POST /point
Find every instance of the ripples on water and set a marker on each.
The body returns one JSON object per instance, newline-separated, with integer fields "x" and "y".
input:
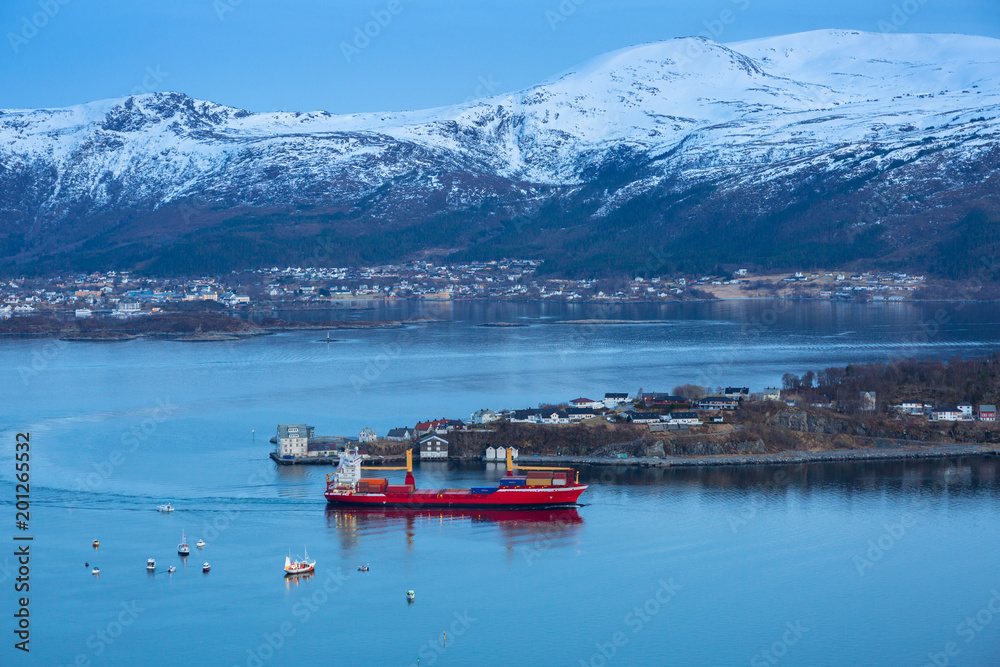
{"x": 752, "y": 548}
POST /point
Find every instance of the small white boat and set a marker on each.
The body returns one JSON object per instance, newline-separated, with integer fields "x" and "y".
{"x": 183, "y": 548}
{"x": 164, "y": 508}
{"x": 200, "y": 544}
{"x": 206, "y": 567}
{"x": 96, "y": 571}
{"x": 410, "y": 595}
{"x": 150, "y": 565}
{"x": 171, "y": 569}
{"x": 299, "y": 565}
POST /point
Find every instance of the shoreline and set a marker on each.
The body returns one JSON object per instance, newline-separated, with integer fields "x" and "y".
{"x": 905, "y": 453}
{"x": 909, "y": 452}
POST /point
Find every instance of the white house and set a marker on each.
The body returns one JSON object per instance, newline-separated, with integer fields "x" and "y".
{"x": 946, "y": 413}
{"x": 484, "y": 416}
{"x": 83, "y": 313}
{"x": 912, "y": 407}
{"x": 771, "y": 394}
{"x": 689, "y": 418}
{"x": 613, "y": 400}
{"x": 293, "y": 439}
{"x": 491, "y": 453}
{"x": 586, "y": 403}
{"x": 965, "y": 409}
{"x": 367, "y": 435}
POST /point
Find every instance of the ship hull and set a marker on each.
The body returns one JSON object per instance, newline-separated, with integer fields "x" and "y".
{"x": 521, "y": 497}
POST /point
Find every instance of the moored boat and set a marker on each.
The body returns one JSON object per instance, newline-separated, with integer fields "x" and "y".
{"x": 303, "y": 565}
{"x": 537, "y": 487}
{"x": 164, "y": 508}
{"x": 183, "y": 549}
{"x": 96, "y": 571}
{"x": 150, "y": 565}
{"x": 200, "y": 544}
{"x": 205, "y": 567}
{"x": 96, "y": 544}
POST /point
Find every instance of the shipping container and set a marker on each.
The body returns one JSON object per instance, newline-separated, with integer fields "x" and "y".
{"x": 539, "y": 482}
{"x": 483, "y": 489}
{"x": 559, "y": 482}
{"x": 539, "y": 474}
{"x": 399, "y": 488}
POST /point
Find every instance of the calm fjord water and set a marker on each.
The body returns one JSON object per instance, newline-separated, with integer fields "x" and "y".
{"x": 860, "y": 564}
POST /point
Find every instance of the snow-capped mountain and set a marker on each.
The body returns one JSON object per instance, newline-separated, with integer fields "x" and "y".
{"x": 698, "y": 131}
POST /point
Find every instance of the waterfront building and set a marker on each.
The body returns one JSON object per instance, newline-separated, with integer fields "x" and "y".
{"x": 293, "y": 439}
{"x": 433, "y": 447}
{"x": 367, "y": 435}
{"x": 987, "y": 413}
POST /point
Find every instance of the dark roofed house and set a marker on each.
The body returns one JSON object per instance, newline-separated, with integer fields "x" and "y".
{"x": 739, "y": 393}
{"x": 655, "y": 398}
{"x": 613, "y": 400}
{"x": 643, "y": 417}
{"x": 433, "y": 447}
{"x": 717, "y": 403}
{"x": 400, "y": 434}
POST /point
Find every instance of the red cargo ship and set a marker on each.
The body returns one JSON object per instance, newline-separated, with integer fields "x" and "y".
{"x": 538, "y": 487}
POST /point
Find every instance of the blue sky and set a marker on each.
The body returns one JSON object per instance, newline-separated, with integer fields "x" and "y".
{"x": 302, "y": 55}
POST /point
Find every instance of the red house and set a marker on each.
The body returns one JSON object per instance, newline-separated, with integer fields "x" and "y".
{"x": 987, "y": 413}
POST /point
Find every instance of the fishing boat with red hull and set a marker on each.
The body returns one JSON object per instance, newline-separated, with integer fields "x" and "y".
{"x": 537, "y": 487}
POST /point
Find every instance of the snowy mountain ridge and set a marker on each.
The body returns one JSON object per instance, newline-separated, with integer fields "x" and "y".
{"x": 665, "y": 117}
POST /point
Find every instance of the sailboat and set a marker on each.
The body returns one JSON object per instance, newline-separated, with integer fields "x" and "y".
{"x": 299, "y": 566}
{"x": 183, "y": 548}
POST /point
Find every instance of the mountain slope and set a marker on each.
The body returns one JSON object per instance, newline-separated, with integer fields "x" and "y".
{"x": 802, "y": 149}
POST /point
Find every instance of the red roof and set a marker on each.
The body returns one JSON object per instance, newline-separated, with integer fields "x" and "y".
{"x": 581, "y": 400}
{"x": 427, "y": 426}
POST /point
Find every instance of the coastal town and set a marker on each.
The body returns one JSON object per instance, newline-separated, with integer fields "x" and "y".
{"x": 659, "y": 413}
{"x": 124, "y": 294}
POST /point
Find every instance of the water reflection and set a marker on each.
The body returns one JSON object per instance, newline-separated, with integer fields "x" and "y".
{"x": 512, "y": 525}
